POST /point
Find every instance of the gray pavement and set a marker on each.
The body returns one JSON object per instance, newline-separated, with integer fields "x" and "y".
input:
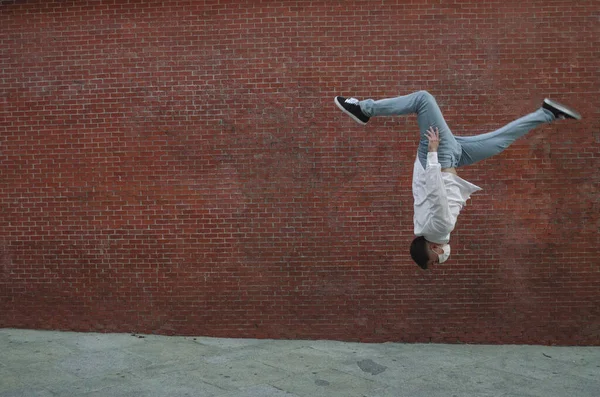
{"x": 45, "y": 363}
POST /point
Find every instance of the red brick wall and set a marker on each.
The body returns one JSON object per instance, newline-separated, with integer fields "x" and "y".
{"x": 179, "y": 167}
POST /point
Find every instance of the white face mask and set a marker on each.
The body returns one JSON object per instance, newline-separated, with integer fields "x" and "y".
{"x": 444, "y": 257}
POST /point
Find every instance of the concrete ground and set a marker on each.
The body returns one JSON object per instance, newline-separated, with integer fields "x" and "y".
{"x": 43, "y": 363}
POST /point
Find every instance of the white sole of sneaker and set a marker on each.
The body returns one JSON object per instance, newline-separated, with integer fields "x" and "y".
{"x": 347, "y": 112}
{"x": 563, "y": 109}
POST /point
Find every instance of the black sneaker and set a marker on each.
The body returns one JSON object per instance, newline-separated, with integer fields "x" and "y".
{"x": 560, "y": 111}
{"x": 351, "y": 108}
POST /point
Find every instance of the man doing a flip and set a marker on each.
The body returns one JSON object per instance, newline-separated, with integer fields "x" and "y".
{"x": 439, "y": 193}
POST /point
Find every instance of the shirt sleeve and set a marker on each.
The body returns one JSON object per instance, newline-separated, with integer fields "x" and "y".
{"x": 440, "y": 218}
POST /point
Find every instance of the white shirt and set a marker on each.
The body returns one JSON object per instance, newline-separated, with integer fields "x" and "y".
{"x": 439, "y": 197}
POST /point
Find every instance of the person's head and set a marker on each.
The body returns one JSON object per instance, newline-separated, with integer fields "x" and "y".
{"x": 426, "y": 253}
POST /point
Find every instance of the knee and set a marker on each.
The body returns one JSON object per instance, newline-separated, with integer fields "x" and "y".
{"x": 426, "y": 95}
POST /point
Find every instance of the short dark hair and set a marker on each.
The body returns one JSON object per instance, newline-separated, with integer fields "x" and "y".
{"x": 418, "y": 251}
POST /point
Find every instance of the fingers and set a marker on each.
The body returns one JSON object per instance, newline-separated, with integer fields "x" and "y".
{"x": 432, "y": 131}
{"x": 433, "y": 134}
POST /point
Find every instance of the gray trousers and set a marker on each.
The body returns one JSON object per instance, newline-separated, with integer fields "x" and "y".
{"x": 454, "y": 151}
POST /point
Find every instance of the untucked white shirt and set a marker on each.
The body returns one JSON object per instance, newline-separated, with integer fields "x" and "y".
{"x": 439, "y": 197}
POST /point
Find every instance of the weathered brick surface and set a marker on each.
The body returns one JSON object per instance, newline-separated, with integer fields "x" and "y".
{"x": 180, "y": 167}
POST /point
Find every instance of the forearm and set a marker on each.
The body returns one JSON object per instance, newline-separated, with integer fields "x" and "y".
{"x": 435, "y": 187}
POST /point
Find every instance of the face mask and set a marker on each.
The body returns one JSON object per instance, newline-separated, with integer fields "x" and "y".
{"x": 444, "y": 257}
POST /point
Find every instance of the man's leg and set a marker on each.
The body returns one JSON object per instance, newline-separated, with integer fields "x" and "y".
{"x": 421, "y": 103}
{"x": 424, "y": 105}
{"x": 479, "y": 147}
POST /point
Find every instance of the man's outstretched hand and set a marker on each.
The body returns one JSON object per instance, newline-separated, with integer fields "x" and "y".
{"x": 434, "y": 139}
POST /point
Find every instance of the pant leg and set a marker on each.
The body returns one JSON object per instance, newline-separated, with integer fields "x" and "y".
{"x": 480, "y": 147}
{"x": 424, "y": 105}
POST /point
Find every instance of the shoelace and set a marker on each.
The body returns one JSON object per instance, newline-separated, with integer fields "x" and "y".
{"x": 352, "y": 101}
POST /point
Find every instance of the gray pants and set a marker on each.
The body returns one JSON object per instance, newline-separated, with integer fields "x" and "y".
{"x": 454, "y": 151}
